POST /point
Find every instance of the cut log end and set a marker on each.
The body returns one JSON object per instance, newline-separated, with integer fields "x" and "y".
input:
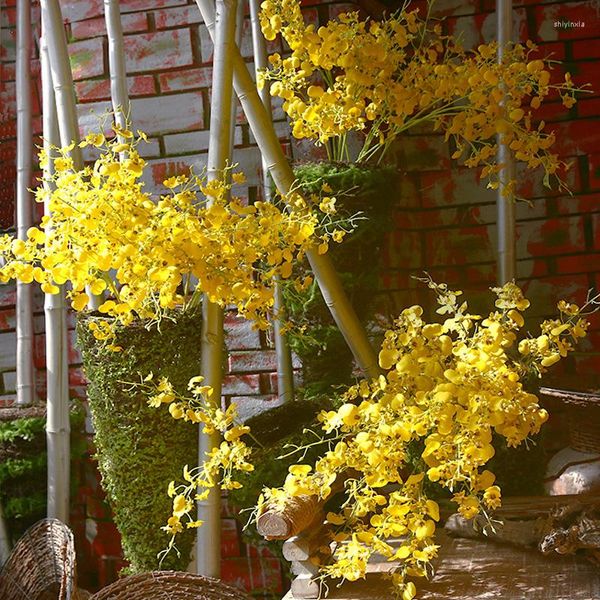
{"x": 296, "y": 517}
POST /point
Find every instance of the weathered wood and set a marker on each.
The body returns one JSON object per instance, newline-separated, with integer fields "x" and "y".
{"x": 480, "y": 570}
{"x": 572, "y": 528}
{"x": 296, "y": 517}
{"x": 307, "y": 544}
{"x": 521, "y": 533}
{"x": 10, "y": 414}
{"x": 567, "y": 528}
{"x": 304, "y": 567}
{"x": 305, "y": 587}
{"x": 589, "y": 398}
{"x": 537, "y": 506}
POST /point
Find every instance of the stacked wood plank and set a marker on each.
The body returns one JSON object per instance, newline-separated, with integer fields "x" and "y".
{"x": 306, "y": 543}
{"x": 504, "y": 564}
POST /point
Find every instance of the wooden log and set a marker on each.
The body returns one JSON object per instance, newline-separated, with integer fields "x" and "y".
{"x": 520, "y": 533}
{"x": 302, "y": 547}
{"x": 296, "y": 517}
{"x": 304, "y": 586}
{"x": 304, "y": 567}
{"x": 564, "y": 524}
{"x": 531, "y": 507}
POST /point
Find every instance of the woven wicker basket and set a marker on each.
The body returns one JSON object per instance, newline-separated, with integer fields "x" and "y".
{"x": 584, "y": 429}
{"x": 42, "y": 565}
{"x": 168, "y": 585}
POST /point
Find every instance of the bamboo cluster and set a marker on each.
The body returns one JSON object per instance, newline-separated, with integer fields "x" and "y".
{"x": 285, "y": 372}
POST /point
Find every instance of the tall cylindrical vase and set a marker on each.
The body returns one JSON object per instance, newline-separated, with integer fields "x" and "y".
{"x": 141, "y": 449}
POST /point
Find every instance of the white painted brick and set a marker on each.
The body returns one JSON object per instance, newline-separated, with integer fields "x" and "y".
{"x": 282, "y": 129}
{"x": 8, "y": 351}
{"x": 87, "y": 58}
{"x": 206, "y": 45}
{"x": 247, "y": 158}
{"x": 91, "y": 116}
{"x": 158, "y": 51}
{"x": 165, "y": 114}
{"x": 161, "y": 168}
{"x": 238, "y": 385}
{"x": 177, "y": 17}
{"x": 10, "y": 381}
{"x": 149, "y": 149}
{"x": 135, "y": 5}
{"x": 78, "y": 10}
{"x": 194, "y": 141}
{"x": 240, "y": 334}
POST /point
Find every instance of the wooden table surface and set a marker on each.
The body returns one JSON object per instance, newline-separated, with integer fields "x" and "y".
{"x": 469, "y": 569}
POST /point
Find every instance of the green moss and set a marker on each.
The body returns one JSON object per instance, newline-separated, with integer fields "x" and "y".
{"x": 141, "y": 449}
{"x": 19, "y": 508}
{"x": 23, "y": 467}
{"x": 17, "y": 467}
{"x": 21, "y": 429}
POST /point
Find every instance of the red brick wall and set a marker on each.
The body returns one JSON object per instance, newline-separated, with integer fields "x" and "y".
{"x": 444, "y": 218}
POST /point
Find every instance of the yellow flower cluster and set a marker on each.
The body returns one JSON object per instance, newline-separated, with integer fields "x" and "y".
{"x": 222, "y": 463}
{"x": 386, "y": 77}
{"x": 107, "y": 234}
{"x": 448, "y": 386}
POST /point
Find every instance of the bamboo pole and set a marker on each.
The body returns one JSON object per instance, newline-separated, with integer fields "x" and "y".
{"x": 58, "y": 428}
{"x": 116, "y": 63}
{"x": 239, "y": 32}
{"x": 4, "y": 539}
{"x": 62, "y": 81}
{"x": 219, "y": 152}
{"x": 283, "y": 176}
{"x": 505, "y": 204}
{"x": 25, "y": 370}
{"x": 285, "y": 371}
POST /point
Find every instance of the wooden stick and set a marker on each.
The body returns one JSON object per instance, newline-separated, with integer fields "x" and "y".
{"x": 116, "y": 63}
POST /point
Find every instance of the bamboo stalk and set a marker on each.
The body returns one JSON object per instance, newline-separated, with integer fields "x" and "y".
{"x": 57, "y": 364}
{"x": 62, "y": 81}
{"x": 505, "y": 203}
{"x": 239, "y": 31}
{"x": 25, "y": 370}
{"x": 329, "y": 282}
{"x": 4, "y": 539}
{"x": 116, "y": 63}
{"x": 219, "y": 153}
{"x": 285, "y": 371}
